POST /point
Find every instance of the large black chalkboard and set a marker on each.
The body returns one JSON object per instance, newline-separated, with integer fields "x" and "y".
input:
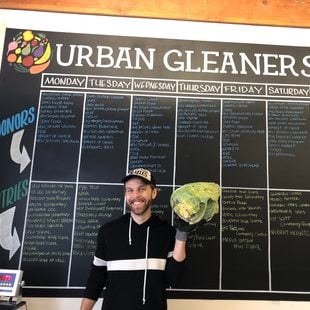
{"x": 187, "y": 110}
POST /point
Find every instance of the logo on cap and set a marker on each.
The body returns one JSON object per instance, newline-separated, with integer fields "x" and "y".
{"x": 142, "y": 173}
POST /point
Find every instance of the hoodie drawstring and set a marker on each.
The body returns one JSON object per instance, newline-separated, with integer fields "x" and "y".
{"x": 146, "y": 262}
{"x": 129, "y": 231}
{"x": 146, "y": 255}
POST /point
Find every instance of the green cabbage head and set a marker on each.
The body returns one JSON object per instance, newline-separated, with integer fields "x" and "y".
{"x": 196, "y": 201}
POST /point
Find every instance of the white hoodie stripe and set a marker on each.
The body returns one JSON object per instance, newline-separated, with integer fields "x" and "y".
{"x": 99, "y": 262}
{"x": 136, "y": 264}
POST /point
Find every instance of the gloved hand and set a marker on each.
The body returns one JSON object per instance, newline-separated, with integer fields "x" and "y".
{"x": 183, "y": 228}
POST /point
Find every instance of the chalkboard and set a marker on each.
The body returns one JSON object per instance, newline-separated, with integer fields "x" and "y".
{"x": 189, "y": 110}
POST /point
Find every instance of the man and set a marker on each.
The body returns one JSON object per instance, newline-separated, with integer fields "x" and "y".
{"x": 137, "y": 255}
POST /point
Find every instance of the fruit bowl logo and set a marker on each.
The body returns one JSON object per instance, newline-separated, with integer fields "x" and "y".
{"x": 29, "y": 52}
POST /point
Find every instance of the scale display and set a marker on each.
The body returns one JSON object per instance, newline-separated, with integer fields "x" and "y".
{"x": 10, "y": 282}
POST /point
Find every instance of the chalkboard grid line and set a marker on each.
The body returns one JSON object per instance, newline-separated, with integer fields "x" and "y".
{"x": 159, "y": 185}
{"x": 268, "y": 200}
{"x": 175, "y": 152}
{"x": 178, "y": 185}
{"x": 221, "y": 221}
{"x": 76, "y": 191}
{"x": 183, "y": 290}
{"x": 266, "y": 189}
{"x": 152, "y": 93}
{"x": 236, "y": 291}
{"x": 128, "y": 147}
{"x": 129, "y": 133}
{"x": 171, "y": 289}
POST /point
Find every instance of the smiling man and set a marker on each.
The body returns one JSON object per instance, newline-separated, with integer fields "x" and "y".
{"x": 138, "y": 255}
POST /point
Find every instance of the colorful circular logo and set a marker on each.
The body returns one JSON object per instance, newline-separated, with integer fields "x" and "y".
{"x": 29, "y": 52}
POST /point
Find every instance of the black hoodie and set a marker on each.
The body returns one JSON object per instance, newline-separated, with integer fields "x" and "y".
{"x": 135, "y": 264}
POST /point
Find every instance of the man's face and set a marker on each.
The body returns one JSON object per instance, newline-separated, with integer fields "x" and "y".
{"x": 139, "y": 196}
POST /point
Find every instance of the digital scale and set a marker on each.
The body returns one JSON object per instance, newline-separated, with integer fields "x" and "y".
{"x": 11, "y": 289}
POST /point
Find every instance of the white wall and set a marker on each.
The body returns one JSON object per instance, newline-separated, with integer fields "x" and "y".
{"x": 179, "y": 304}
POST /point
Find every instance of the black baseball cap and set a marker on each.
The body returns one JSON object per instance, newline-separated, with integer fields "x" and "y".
{"x": 144, "y": 174}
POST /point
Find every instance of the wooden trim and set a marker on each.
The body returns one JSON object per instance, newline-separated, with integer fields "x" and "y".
{"x": 293, "y": 13}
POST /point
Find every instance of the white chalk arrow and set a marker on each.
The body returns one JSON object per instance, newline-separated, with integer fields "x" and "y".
{"x": 18, "y": 157}
{"x": 7, "y": 240}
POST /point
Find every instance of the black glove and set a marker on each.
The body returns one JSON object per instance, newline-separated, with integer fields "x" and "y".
{"x": 183, "y": 228}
